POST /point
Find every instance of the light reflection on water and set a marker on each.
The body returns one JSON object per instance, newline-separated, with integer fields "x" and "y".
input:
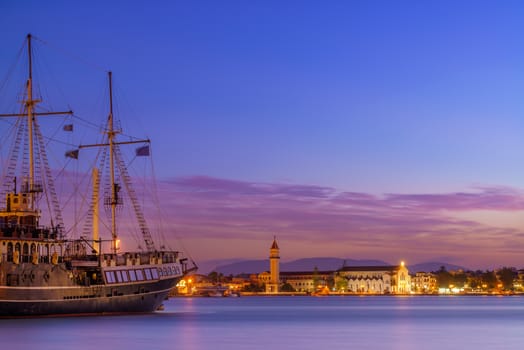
{"x": 287, "y": 323}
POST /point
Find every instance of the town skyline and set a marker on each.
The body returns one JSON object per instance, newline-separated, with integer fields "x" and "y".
{"x": 365, "y": 130}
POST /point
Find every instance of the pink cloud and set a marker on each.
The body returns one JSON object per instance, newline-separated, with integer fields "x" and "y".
{"x": 205, "y": 207}
{"x": 317, "y": 220}
{"x": 495, "y": 198}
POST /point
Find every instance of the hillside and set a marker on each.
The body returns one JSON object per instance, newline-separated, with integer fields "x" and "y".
{"x": 307, "y": 264}
{"x": 236, "y": 266}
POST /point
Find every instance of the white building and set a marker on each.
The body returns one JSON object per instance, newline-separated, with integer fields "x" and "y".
{"x": 424, "y": 283}
{"x": 374, "y": 279}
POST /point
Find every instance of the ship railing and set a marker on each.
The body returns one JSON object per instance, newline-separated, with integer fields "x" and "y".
{"x": 25, "y": 231}
{"x": 142, "y": 258}
{"x": 26, "y": 258}
{"x": 125, "y": 259}
{"x": 169, "y": 257}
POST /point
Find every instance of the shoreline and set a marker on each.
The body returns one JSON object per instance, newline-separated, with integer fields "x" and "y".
{"x": 304, "y": 294}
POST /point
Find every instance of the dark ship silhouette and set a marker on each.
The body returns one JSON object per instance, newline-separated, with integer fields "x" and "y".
{"x": 42, "y": 272}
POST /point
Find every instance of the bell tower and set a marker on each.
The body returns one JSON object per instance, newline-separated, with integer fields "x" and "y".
{"x": 274, "y": 268}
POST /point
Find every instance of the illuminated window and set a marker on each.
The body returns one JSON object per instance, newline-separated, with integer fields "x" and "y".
{"x": 148, "y": 274}
{"x": 132, "y": 275}
{"x": 125, "y": 278}
{"x": 154, "y": 272}
{"x": 119, "y": 276}
{"x": 110, "y": 276}
{"x": 139, "y": 275}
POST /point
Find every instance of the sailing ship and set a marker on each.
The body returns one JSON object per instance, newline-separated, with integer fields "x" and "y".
{"x": 42, "y": 271}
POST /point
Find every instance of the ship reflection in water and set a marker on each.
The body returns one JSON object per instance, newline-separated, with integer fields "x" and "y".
{"x": 429, "y": 322}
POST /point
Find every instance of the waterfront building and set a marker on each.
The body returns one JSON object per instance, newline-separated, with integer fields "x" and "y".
{"x": 272, "y": 286}
{"x": 424, "y": 283}
{"x": 307, "y": 281}
{"x": 352, "y": 279}
{"x": 264, "y": 278}
{"x": 191, "y": 284}
{"x": 519, "y": 281}
{"x": 374, "y": 279}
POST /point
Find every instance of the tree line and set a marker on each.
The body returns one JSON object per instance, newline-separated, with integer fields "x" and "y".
{"x": 502, "y": 279}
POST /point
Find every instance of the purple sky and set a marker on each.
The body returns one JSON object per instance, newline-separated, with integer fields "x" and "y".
{"x": 361, "y": 129}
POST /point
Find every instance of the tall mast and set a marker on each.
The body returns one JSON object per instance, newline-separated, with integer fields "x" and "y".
{"x": 32, "y": 182}
{"x": 30, "y": 120}
{"x": 114, "y": 187}
{"x": 96, "y": 214}
{"x": 115, "y": 162}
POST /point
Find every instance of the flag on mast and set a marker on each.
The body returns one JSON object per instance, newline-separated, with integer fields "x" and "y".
{"x": 142, "y": 151}
{"x": 72, "y": 154}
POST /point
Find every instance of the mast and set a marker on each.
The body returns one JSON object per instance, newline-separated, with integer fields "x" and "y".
{"x": 96, "y": 191}
{"x": 38, "y": 173}
{"x": 114, "y": 187}
{"x": 116, "y": 163}
{"x": 30, "y": 120}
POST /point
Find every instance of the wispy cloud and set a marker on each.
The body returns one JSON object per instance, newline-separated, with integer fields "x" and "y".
{"x": 349, "y": 222}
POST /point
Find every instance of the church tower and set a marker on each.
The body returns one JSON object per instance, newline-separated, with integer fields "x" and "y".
{"x": 274, "y": 268}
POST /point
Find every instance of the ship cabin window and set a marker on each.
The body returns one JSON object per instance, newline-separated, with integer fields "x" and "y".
{"x": 125, "y": 278}
{"x": 110, "y": 276}
{"x": 119, "y": 276}
{"x": 160, "y": 271}
{"x": 45, "y": 250}
{"x": 13, "y": 220}
{"x": 139, "y": 275}
{"x": 165, "y": 271}
{"x": 154, "y": 272}
{"x": 148, "y": 273}
{"x": 132, "y": 275}
{"x": 9, "y": 251}
{"x": 169, "y": 271}
{"x": 25, "y": 249}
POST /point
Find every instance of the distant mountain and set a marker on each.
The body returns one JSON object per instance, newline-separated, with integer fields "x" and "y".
{"x": 244, "y": 266}
{"x": 433, "y": 266}
{"x": 326, "y": 264}
{"x": 308, "y": 264}
{"x": 239, "y": 266}
{"x": 207, "y": 266}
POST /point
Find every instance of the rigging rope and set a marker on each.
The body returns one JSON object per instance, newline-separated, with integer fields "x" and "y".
{"x": 72, "y": 55}
{"x": 13, "y": 66}
{"x": 77, "y": 183}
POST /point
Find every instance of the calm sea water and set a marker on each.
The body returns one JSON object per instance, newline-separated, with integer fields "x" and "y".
{"x": 287, "y": 323}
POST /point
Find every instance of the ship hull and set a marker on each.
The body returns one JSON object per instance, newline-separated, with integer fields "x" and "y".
{"x": 44, "y": 272}
{"x": 49, "y": 301}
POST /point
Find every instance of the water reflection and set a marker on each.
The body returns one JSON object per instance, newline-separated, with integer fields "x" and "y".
{"x": 287, "y": 323}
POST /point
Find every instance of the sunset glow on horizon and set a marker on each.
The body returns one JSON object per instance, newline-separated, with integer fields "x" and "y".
{"x": 353, "y": 129}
